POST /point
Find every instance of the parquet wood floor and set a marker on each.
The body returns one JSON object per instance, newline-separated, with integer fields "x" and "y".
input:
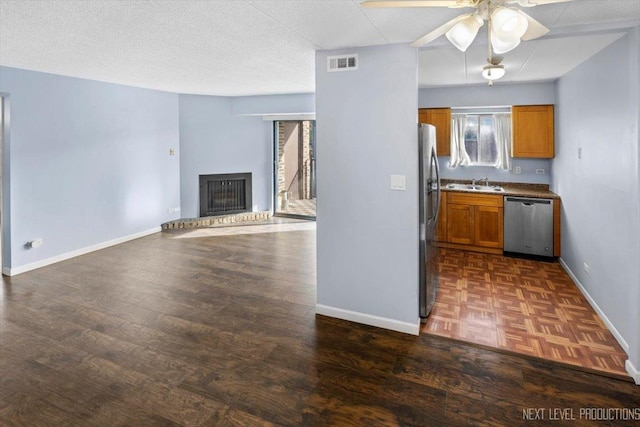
{"x": 180, "y": 329}
{"x": 521, "y": 305}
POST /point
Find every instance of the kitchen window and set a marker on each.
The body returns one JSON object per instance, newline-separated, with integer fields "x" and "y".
{"x": 481, "y": 139}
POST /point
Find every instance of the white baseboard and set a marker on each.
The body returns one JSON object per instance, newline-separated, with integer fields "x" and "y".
{"x": 603, "y": 316}
{"x": 62, "y": 257}
{"x": 368, "y": 319}
{"x": 632, "y": 371}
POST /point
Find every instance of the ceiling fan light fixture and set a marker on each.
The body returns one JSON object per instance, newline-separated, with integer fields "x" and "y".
{"x": 464, "y": 32}
{"x": 501, "y": 45}
{"x": 493, "y": 72}
{"x": 508, "y": 23}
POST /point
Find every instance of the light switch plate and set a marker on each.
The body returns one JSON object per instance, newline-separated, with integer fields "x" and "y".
{"x": 398, "y": 182}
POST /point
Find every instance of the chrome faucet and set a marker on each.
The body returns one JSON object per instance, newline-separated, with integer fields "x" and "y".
{"x": 486, "y": 180}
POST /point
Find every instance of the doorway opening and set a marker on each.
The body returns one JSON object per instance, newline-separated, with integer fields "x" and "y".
{"x": 295, "y": 168}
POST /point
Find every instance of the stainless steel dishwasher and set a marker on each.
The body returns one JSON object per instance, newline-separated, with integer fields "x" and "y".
{"x": 528, "y": 225}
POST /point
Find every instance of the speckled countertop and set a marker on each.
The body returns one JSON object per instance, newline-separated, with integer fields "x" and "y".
{"x": 510, "y": 189}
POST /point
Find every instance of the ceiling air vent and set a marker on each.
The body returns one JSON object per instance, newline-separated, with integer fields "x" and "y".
{"x": 342, "y": 63}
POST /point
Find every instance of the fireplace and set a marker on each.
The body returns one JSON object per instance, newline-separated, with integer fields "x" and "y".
{"x": 223, "y": 194}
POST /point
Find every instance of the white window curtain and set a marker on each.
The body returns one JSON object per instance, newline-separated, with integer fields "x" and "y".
{"x": 459, "y": 154}
{"x": 502, "y": 132}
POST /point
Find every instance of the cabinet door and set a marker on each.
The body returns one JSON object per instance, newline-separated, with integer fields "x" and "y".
{"x": 441, "y": 119}
{"x": 489, "y": 226}
{"x": 441, "y": 229}
{"x": 532, "y": 131}
{"x": 460, "y": 224}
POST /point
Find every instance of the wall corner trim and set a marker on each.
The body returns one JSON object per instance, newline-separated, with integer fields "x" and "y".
{"x": 368, "y": 319}
{"x": 623, "y": 343}
{"x": 633, "y": 371}
{"x": 82, "y": 251}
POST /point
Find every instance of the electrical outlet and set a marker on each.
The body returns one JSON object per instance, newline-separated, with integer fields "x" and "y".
{"x": 586, "y": 268}
{"x": 172, "y": 151}
{"x": 176, "y": 209}
{"x": 170, "y": 210}
{"x": 540, "y": 171}
{"x": 517, "y": 169}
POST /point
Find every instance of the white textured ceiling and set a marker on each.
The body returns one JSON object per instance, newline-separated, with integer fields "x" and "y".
{"x": 238, "y": 47}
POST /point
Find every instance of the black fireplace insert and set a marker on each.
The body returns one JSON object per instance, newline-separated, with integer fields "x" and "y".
{"x": 223, "y": 194}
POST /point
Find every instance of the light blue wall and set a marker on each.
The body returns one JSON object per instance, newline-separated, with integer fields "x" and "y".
{"x": 214, "y": 140}
{"x": 89, "y": 162}
{"x": 598, "y": 110}
{"x": 301, "y": 103}
{"x": 498, "y": 95}
{"x": 367, "y": 234}
{"x": 528, "y": 168}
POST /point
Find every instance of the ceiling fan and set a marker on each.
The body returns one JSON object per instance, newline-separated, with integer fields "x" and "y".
{"x": 507, "y": 26}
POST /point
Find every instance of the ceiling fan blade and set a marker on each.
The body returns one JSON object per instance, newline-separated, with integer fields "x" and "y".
{"x": 428, "y": 38}
{"x": 417, "y": 3}
{"x": 534, "y": 29}
{"x": 531, "y": 3}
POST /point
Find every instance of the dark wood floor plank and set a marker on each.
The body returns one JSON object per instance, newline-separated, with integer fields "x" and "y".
{"x": 332, "y": 411}
{"x": 107, "y": 410}
{"x": 168, "y": 370}
{"x": 51, "y": 384}
{"x": 238, "y": 418}
{"x": 273, "y": 394}
{"x": 173, "y": 329}
{"x": 27, "y": 410}
{"x": 464, "y": 410}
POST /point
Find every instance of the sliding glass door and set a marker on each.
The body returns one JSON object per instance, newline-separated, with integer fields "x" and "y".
{"x": 295, "y": 168}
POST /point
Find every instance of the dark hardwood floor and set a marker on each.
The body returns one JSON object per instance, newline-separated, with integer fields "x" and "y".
{"x": 174, "y": 329}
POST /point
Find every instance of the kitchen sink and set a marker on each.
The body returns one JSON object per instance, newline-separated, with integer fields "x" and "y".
{"x": 479, "y": 188}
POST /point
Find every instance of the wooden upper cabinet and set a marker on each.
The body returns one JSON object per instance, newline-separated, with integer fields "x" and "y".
{"x": 532, "y": 131}
{"x": 441, "y": 119}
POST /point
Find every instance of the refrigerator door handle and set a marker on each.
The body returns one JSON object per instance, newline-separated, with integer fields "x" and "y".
{"x": 434, "y": 162}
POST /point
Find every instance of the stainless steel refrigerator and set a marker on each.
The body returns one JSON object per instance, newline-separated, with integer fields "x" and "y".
{"x": 429, "y": 208}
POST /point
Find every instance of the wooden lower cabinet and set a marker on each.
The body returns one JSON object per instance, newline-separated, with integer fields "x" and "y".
{"x": 474, "y": 222}
{"x": 489, "y": 227}
{"x": 441, "y": 228}
{"x": 460, "y": 224}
